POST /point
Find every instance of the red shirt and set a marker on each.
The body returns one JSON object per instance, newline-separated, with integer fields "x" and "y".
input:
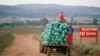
{"x": 61, "y": 17}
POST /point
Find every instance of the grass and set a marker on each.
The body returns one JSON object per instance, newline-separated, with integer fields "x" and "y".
{"x": 6, "y": 40}
{"x": 87, "y": 46}
{"x": 23, "y": 30}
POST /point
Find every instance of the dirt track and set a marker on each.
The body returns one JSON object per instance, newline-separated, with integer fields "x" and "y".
{"x": 24, "y": 45}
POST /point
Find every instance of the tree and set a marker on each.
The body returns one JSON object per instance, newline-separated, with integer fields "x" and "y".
{"x": 95, "y": 21}
{"x": 44, "y": 21}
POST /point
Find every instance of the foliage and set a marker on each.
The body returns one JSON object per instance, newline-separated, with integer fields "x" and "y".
{"x": 27, "y": 22}
{"x": 6, "y": 40}
{"x": 95, "y": 21}
{"x": 44, "y": 21}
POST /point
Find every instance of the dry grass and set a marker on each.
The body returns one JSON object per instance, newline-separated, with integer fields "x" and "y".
{"x": 88, "y": 45}
{"x": 23, "y": 30}
{"x": 89, "y": 42}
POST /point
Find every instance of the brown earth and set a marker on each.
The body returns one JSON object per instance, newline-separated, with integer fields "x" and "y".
{"x": 23, "y": 45}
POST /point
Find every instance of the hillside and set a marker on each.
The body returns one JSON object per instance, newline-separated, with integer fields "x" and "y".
{"x": 47, "y": 10}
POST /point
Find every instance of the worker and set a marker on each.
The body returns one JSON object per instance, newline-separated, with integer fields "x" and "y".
{"x": 61, "y": 17}
{"x": 70, "y": 35}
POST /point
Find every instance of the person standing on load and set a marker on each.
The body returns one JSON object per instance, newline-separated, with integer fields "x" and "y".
{"x": 70, "y": 29}
{"x": 61, "y": 17}
{"x": 70, "y": 35}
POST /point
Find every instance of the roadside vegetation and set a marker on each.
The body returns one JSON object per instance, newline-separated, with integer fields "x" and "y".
{"x": 6, "y": 40}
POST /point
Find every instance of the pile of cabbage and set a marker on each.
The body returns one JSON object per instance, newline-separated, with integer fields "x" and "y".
{"x": 55, "y": 33}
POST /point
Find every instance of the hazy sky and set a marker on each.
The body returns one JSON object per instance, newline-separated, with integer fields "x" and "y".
{"x": 61, "y": 2}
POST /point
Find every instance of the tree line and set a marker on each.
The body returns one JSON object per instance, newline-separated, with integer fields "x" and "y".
{"x": 41, "y": 22}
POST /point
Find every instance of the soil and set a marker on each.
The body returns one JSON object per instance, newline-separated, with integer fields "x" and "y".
{"x": 23, "y": 45}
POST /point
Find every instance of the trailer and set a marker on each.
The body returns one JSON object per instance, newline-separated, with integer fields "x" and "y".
{"x": 48, "y": 49}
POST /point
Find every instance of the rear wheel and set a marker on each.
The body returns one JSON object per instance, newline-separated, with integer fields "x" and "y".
{"x": 45, "y": 49}
{"x": 69, "y": 51}
{"x": 48, "y": 51}
{"x": 41, "y": 48}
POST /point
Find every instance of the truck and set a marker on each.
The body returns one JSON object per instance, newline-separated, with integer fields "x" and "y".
{"x": 54, "y": 39}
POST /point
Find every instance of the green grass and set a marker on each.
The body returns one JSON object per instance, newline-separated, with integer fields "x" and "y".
{"x": 6, "y": 40}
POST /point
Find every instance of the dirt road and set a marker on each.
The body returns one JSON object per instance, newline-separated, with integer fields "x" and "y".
{"x": 24, "y": 45}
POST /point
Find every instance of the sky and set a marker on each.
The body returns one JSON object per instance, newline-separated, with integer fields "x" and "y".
{"x": 94, "y": 3}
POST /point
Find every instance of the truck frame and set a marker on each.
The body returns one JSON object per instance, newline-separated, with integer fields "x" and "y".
{"x": 48, "y": 49}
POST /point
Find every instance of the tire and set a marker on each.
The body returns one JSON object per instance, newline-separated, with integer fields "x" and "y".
{"x": 48, "y": 51}
{"x": 41, "y": 48}
{"x": 69, "y": 51}
{"x": 45, "y": 49}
